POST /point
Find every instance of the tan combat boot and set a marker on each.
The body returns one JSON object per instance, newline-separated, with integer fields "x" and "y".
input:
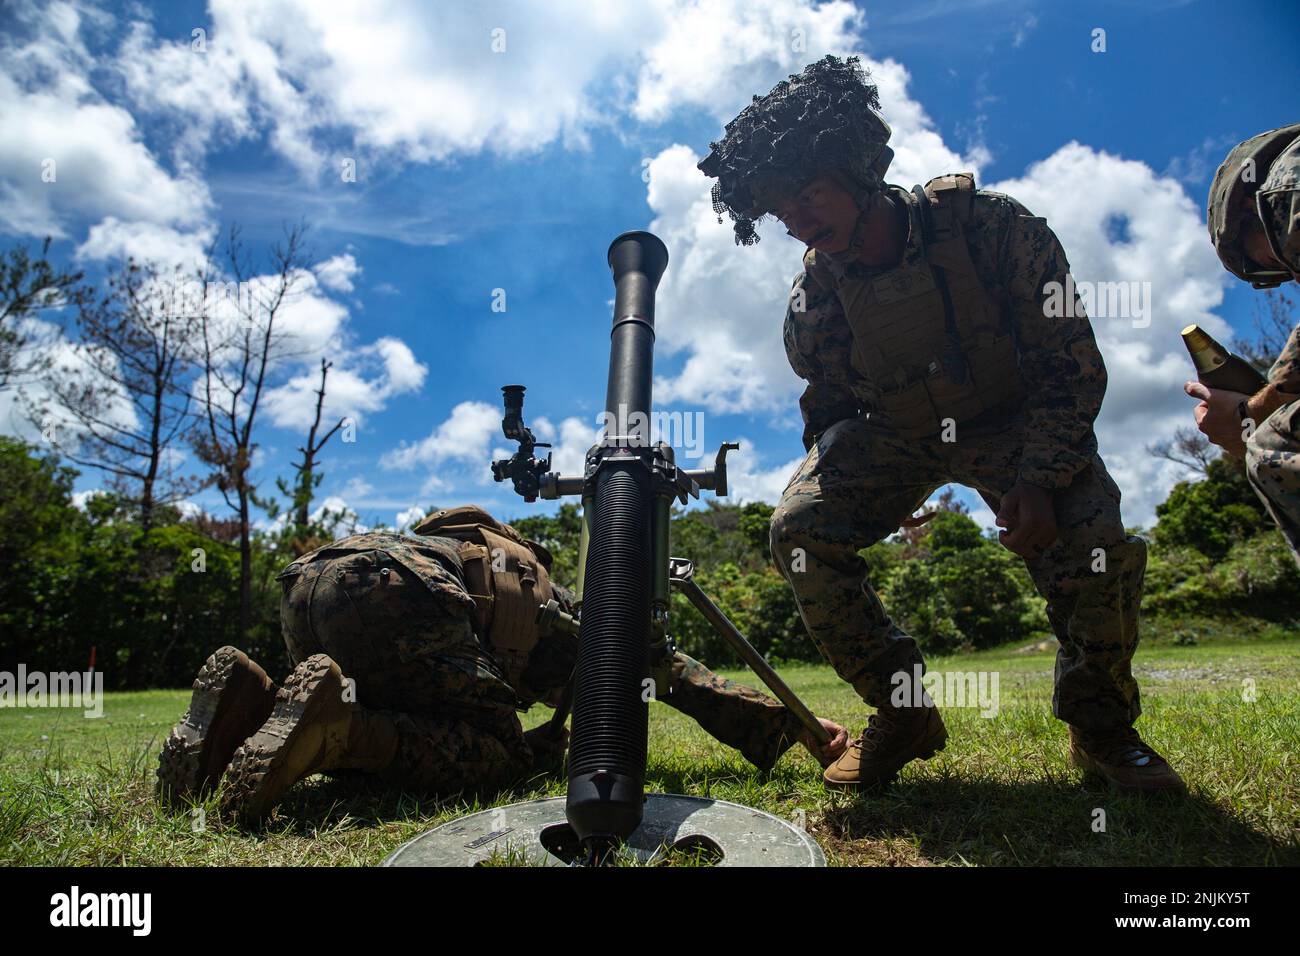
{"x": 893, "y": 737}
{"x": 232, "y": 698}
{"x": 311, "y": 729}
{"x": 1124, "y": 761}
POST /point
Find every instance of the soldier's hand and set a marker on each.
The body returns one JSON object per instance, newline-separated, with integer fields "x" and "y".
{"x": 828, "y": 754}
{"x": 1030, "y": 521}
{"x": 1217, "y": 416}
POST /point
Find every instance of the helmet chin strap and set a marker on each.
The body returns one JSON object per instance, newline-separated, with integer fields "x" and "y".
{"x": 865, "y": 197}
{"x": 855, "y": 240}
{"x": 865, "y": 205}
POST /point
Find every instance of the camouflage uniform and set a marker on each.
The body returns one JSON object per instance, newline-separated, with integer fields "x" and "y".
{"x": 1273, "y": 450}
{"x": 861, "y": 477}
{"x": 394, "y": 613}
{"x": 1280, "y": 207}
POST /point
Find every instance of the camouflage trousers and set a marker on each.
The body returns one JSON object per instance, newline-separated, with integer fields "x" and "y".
{"x": 860, "y": 481}
{"x": 761, "y": 728}
{"x": 414, "y": 657}
{"x": 1273, "y": 467}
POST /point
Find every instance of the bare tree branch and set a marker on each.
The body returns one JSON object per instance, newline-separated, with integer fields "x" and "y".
{"x": 27, "y": 287}
{"x": 1188, "y": 448}
{"x": 136, "y": 344}
{"x": 236, "y": 366}
{"x": 1275, "y": 318}
{"x": 307, "y": 478}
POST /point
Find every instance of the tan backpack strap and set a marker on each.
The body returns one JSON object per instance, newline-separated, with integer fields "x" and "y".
{"x": 477, "y": 561}
{"x": 520, "y": 583}
{"x": 952, "y": 204}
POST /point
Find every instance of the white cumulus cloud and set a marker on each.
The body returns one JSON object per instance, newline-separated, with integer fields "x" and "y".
{"x": 465, "y": 436}
{"x": 337, "y": 272}
{"x": 362, "y": 381}
{"x": 68, "y": 153}
{"x": 1120, "y": 221}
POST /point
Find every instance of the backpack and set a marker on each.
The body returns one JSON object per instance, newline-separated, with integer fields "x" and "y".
{"x": 508, "y": 577}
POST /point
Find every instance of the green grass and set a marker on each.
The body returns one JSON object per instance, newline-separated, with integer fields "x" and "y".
{"x": 75, "y": 791}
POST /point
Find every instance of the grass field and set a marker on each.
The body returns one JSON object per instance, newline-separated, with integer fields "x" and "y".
{"x": 77, "y": 791}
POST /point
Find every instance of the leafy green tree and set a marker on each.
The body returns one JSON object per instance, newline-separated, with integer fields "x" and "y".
{"x": 1213, "y": 514}
{"x": 962, "y": 591}
{"x": 1256, "y": 578}
{"x": 152, "y": 603}
{"x": 719, "y": 534}
{"x": 755, "y": 524}
{"x": 39, "y": 534}
{"x": 760, "y": 604}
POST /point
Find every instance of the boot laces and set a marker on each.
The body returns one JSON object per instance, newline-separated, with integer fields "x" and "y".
{"x": 879, "y": 726}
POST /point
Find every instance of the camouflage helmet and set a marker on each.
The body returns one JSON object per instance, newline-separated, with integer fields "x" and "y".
{"x": 1233, "y": 203}
{"x": 823, "y": 120}
{"x": 1279, "y": 207}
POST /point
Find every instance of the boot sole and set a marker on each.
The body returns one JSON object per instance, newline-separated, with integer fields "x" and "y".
{"x": 890, "y": 777}
{"x": 253, "y": 780}
{"x": 232, "y": 698}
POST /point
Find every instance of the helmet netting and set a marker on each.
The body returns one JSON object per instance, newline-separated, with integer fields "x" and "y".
{"x": 822, "y": 119}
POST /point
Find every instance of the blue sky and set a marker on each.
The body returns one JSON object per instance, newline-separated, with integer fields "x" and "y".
{"x": 480, "y": 170}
